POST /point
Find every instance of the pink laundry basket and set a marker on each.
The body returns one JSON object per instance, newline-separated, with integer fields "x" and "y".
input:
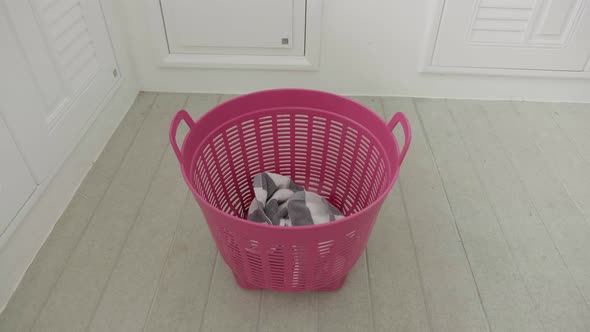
{"x": 331, "y": 145}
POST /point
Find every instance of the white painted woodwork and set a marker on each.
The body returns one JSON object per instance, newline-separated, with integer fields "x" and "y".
{"x": 16, "y": 183}
{"x": 60, "y": 66}
{"x": 521, "y": 34}
{"x": 249, "y": 27}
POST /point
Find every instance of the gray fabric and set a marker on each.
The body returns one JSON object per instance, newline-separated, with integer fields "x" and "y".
{"x": 279, "y": 201}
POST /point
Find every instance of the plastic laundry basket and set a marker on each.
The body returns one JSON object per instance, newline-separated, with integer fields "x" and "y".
{"x": 331, "y": 145}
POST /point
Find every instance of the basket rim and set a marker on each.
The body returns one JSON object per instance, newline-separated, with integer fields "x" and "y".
{"x": 379, "y": 200}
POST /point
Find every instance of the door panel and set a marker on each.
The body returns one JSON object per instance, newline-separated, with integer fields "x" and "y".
{"x": 58, "y": 57}
{"x": 265, "y": 27}
{"x": 516, "y": 34}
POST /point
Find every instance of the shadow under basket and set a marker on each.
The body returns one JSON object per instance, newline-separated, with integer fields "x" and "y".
{"x": 331, "y": 145}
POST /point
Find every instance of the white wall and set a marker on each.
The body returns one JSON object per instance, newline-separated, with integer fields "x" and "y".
{"x": 370, "y": 47}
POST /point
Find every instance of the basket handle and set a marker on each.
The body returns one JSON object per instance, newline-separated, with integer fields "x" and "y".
{"x": 180, "y": 116}
{"x": 400, "y": 117}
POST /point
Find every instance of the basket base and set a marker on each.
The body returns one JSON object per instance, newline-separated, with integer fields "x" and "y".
{"x": 326, "y": 288}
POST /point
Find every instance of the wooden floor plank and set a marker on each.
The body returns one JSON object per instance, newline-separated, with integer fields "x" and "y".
{"x": 74, "y": 298}
{"x": 183, "y": 286}
{"x": 491, "y": 207}
{"x": 349, "y": 308}
{"x": 163, "y": 276}
{"x": 574, "y": 119}
{"x": 450, "y": 292}
{"x": 129, "y": 294}
{"x": 559, "y": 303}
{"x": 225, "y": 98}
{"x": 131, "y": 287}
{"x": 395, "y": 281}
{"x": 230, "y": 307}
{"x": 504, "y": 294}
{"x": 41, "y": 276}
{"x": 559, "y": 150}
{"x": 565, "y": 222}
{"x": 288, "y": 312}
{"x": 373, "y": 103}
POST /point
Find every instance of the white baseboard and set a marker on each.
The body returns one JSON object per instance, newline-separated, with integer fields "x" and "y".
{"x": 29, "y": 230}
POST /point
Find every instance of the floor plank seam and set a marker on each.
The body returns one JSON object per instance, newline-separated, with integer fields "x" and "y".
{"x": 208, "y": 290}
{"x": 570, "y": 139}
{"x": 426, "y": 304}
{"x": 371, "y": 311}
{"x": 133, "y": 223}
{"x": 150, "y": 109}
{"x": 120, "y": 251}
{"x": 382, "y": 105}
{"x": 157, "y": 290}
{"x": 261, "y": 293}
{"x": 534, "y": 205}
{"x": 574, "y": 146}
{"x": 514, "y": 110}
{"x": 317, "y": 311}
{"x": 422, "y": 127}
{"x": 558, "y": 177}
{"x": 566, "y": 189}
{"x": 496, "y": 216}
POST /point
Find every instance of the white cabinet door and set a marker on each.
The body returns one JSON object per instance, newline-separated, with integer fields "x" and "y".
{"x": 57, "y": 66}
{"x": 514, "y": 34}
{"x": 264, "y": 27}
{"x": 16, "y": 183}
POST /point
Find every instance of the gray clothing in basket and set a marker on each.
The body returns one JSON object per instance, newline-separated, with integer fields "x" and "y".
{"x": 279, "y": 201}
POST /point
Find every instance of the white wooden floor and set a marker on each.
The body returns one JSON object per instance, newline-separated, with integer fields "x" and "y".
{"x": 488, "y": 229}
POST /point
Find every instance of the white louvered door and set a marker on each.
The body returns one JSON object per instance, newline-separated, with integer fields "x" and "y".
{"x": 514, "y": 34}
{"x": 57, "y": 65}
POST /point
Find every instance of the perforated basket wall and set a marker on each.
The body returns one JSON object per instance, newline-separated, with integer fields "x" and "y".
{"x": 325, "y": 150}
{"x": 327, "y": 156}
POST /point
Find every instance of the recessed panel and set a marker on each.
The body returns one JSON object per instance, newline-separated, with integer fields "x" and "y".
{"x": 262, "y": 27}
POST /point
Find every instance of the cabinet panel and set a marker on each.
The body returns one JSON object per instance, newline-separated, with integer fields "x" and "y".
{"x": 16, "y": 183}
{"x": 265, "y": 27}
{"x": 59, "y": 66}
{"x": 517, "y": 34}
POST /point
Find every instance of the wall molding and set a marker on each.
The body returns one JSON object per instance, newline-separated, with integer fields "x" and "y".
{"x": 432, "y": 69}
{"x": 310, "y": 61}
